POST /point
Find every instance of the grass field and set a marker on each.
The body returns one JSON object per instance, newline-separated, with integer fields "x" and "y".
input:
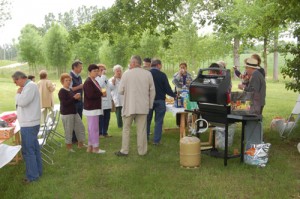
{"x": 6, "y": 62}
{"x": 158, "y": 174}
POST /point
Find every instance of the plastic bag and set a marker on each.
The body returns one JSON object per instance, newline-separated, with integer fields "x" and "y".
{"x": 220, "y": 136}
{"x": 257, "y": 154}
{"x": 277, "y": 124}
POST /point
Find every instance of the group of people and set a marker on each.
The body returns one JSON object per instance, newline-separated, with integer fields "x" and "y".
{"x": 136, "y": 95}
{"x": 93, "y": 98}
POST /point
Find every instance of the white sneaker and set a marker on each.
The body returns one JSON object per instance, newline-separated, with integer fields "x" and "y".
{"x": 298, "y": 147}
{"x": 100, "y": 151}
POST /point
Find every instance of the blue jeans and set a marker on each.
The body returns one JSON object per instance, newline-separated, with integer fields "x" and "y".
{"x": 31, "y": 152}
{"x": 79, "y": 108}
{"x": 159, "y": 106}
{"x": 104, "y": 122}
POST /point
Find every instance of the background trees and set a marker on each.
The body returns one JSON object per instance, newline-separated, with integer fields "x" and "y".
{"x": 30, "y": 46}
{"x": 170, "y": 30}
{"x": 57, "y": 49}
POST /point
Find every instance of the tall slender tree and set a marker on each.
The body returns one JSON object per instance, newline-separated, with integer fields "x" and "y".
{"x": 30, "y": 46}
{"x": 57, "y": 48}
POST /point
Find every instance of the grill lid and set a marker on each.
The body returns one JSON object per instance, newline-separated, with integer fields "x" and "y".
{"x": 211, "y": 88}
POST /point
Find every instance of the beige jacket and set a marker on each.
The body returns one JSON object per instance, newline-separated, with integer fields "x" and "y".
{"x": 138, "y": 89}
{"x": 46, "y": 88}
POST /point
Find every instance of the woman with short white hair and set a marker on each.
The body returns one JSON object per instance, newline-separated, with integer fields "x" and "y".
{"x": 117, "y": 98}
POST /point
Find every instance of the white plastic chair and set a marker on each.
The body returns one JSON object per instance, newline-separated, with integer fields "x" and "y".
{"x": 292, "y": 120}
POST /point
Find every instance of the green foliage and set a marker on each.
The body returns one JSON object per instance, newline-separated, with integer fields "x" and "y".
{"x": 158, "y": 174}
{"x": 57, "y": 48}
{"x": 117, "y": 53}
{"x": 292, "y": 69}
{"x": 71, "y": 19}
{"x": 30, "y": 46}
{"x": 86, "y": 50}
{"x": 149, "y": 45}
{"x": 133, "y": 17}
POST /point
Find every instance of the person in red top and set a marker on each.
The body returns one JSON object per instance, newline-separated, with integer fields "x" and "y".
{"x": 69, "y": 115}
{"x": 92, "y": 108}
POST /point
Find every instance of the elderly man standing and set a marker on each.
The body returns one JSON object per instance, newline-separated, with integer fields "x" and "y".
{"x": 29, "y": 116}
{"x": 138, "y": 89}
{"x": 162, "y": 87}
{"x": 257, "y": 85}
{"x": 77, "y": 87}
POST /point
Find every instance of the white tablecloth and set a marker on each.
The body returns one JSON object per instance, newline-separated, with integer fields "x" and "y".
{"x": 7, "y": 153}
{"x": 174, "y": 110}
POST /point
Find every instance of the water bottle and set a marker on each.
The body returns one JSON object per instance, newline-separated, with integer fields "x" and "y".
{"x": 184, "y": 92}
{"x": 184, "y": 95}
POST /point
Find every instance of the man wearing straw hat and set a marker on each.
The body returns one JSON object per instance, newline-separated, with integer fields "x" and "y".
{"x": 257, "y": 85}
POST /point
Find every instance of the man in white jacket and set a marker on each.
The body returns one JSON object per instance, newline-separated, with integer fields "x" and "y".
{"x": 29, "y": 117}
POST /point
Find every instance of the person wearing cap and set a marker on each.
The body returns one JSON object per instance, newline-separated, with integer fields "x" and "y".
{"x": 245, "y": 77}
{"x": 257, "y": 85}
{"x": 162, "y": 87}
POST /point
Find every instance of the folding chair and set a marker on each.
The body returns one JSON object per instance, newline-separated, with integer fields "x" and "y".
{"x": 291, "y": 121}
{"x": 55, "y": 120}
{"x": 43, "y": 136}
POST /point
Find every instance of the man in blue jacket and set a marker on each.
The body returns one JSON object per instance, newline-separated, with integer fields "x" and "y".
{"x": 162, "y": 87}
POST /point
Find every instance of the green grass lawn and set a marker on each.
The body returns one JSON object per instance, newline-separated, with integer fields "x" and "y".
{"x": 6, "y": 62}
{"x": 158, "y": 174}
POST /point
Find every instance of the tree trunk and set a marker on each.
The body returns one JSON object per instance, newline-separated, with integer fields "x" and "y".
{"x": 275, "y": 67}
{"x": 236, "y": 55}
{"x": 265, "y": 56}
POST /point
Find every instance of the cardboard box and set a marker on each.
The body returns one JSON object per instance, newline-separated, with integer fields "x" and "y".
{"x": 6, "y": 132}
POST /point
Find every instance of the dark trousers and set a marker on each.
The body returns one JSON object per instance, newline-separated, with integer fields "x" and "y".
{"x": 104, "y": 122}
{"x": 159, "y": 106}
{"x": 119, "y": 116}
{"x": 79, "y": 108}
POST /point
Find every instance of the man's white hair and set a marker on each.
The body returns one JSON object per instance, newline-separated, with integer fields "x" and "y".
{"x": 117, "y": 67}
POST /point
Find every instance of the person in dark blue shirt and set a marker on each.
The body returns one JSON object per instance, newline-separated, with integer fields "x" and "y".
{"x": 76, "y": 87}
{"x": 162, "y": 87}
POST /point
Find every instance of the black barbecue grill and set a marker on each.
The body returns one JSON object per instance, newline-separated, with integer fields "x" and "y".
{"x": 212, "y": 94}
